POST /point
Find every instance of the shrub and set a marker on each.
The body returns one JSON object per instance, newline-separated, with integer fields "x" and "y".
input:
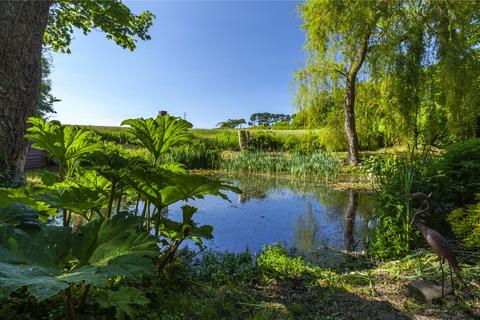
{"x": 466, "y": 224}
{"x": 285, "y": 125}
{"x": 264, "y": 142}
{"x": 461, "y": 164}
{"x": 333, "y": 139}
{"x": 275, "y": 260}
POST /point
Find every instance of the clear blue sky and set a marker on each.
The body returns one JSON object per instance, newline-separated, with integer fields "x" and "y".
{"x": 211, "y": 59}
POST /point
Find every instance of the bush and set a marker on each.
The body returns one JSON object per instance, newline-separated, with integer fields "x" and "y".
{"x": 461, "y": 164}
{"x": 452, "y": 179}
{"x": 285, "y": 125}
{"x": 466, "y": 224}
{"x": 275, "y": 260}
{"x": 333, "y": 139}
{"x": 264, "y": 142}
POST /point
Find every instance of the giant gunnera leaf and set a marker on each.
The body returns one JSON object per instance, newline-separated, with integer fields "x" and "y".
{"x": 48, "y": 260}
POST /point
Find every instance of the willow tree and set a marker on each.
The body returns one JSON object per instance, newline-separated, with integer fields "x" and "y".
{"x": 27, "y": 26}
{"x": 340, "y": 37}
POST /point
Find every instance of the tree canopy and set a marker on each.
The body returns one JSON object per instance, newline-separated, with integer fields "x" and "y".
{"x": 113, "y": 17}
{"x": 419, "y": 79}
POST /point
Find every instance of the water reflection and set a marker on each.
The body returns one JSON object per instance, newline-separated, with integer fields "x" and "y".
{"x": 303, "y": 215}
{"x": 307, "y": 231}
{"x": 349, "y": 221}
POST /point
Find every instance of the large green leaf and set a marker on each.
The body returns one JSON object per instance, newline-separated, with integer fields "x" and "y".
{"x": 73, "y": 196}
{"x": 65, "y": 143}
{"x": 27, "y": 196}
{"x": 123, "y": 300}
{"x": 163, "y": 187}
{"x": 19, "y": 215}
{"x": 49, "y": 260}
{"x": 160, "y": 134}
{"x": 109, "y": 164}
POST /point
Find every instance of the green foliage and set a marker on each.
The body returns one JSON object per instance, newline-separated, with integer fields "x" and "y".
{"x": 391, "y": 231}
{"x": 117, "y": 135}
{"x": 275, "y": 260}
{"x": 461, "y": 164}
{"x": 451, "y": 179}
{"x": 419, "y": 80}
{"x": 267, "y": 119}
{"x": 46, "y": 100}
{"x": 283, "y": 125}
{"x": 123, "y": 300}
{"x": 67, "y": 144}
{"x": 231, "y": 123}
{"x": 195, "y": 156}
{"x": 112, "y": 17}
{"x": 160, "y": 134}
{"x": 264, "y": 141}
{"x": 19, "y": 216}
{"x": 223, "y": 139}
{"x": 223, "y": 268}
{"x": 466, "y": 224}
{"x": 301, "y": 165}
{"x": 163, "y": 187}
{"x": 11, "y": 179}
{"x": 51, "y": 259}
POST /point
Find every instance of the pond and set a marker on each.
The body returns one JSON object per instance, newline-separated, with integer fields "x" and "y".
{"x": 303, "y": 216}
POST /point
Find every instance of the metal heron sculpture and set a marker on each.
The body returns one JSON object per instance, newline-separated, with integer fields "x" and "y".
{"x": 436, "y": 241}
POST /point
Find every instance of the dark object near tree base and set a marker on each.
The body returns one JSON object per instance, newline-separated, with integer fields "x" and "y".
{"x": 437, "y": 242}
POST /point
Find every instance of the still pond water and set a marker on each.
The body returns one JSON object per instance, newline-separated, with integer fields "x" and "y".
{"x": 303, "y": 216}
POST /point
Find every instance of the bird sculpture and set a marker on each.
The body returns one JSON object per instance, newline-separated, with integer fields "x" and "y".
{"x": 436, "y": 241}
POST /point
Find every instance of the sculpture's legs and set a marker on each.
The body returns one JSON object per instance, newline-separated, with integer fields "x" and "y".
{"x": 451, "y": 279}
{"x": 443, "y": 278}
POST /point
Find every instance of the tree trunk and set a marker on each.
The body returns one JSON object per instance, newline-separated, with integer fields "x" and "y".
{"x": 350, "y": 127}
{"x": 349, "y": 102}
{"x": 22, "y": 25}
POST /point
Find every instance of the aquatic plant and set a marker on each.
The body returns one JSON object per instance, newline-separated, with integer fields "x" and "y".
{"x": 301, "y": 165}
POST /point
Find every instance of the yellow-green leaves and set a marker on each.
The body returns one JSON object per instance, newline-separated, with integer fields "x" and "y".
{"x": 66, "y": 144}
{"x": 160, "y": 134}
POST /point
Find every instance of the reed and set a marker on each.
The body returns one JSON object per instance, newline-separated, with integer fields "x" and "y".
{"x": 320, "y": 163}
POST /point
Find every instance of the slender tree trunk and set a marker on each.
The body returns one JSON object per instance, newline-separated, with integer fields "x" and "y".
{"x": 350, "y": 126}
{"x": 349, "y": 102}
{"x": 22, "y": 25}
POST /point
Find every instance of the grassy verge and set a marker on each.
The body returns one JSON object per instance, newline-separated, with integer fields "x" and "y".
{"x": 274, "y": 285}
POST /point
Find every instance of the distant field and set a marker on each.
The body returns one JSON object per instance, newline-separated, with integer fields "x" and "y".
{"x": 226, "y": 139}
{"x": 211, "y": 133}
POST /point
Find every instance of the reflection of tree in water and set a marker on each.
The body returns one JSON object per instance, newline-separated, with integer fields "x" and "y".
{"x": 349, "y": 221}
{"x": 259, "y": 186}
{"x": 306, "y": 231}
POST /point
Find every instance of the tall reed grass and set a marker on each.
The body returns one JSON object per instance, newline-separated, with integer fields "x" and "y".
{"x": 319, "y": 163}
{"x": 198, "y": 156}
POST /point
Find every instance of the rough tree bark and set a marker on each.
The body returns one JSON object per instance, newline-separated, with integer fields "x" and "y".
{"x": 349, "y": 101}
{"x": 22, "y": 25}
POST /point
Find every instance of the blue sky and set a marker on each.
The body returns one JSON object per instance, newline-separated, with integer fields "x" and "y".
{"x": 213, "y": 60}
